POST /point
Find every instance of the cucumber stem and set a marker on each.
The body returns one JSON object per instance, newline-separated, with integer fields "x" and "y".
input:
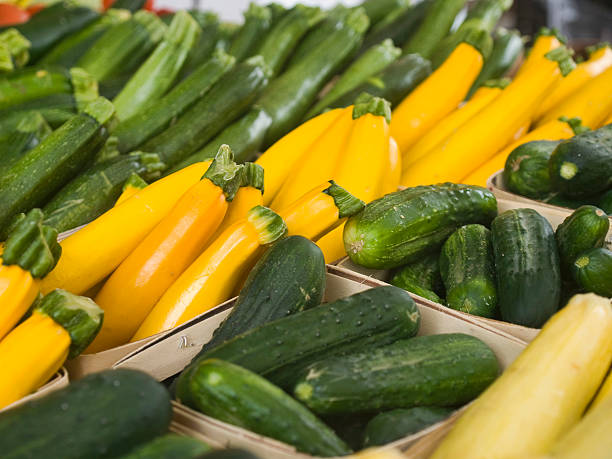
{"x": 268, "y": 224}
{"x": 225, "y": 173}
{"x": 347, "y": 204}
{"x": 377, "y": 106}
{"x": 253, "y": 176}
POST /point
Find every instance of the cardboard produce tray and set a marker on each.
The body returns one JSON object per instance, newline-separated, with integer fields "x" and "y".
{"x": 58, "y": 381}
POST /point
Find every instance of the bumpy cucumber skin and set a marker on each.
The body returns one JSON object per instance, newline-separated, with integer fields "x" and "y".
{"x": 169, "y": 446}
{"x": 403, "y": 226}
{"x": 421, "y": 278}
{"x": 433, "y": 370}
{"x": 468, "y": 271}
{"x": 593, "y": 271}
{"x": 527, "y": 267}
{"x": 526, "y": 170}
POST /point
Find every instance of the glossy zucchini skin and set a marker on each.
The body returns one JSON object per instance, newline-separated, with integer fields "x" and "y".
{"x": 586, "y": 228}
{"x": 288, "y": 278}
{"x": 527, "y": 267}
{"x": 403, "y": 226}
{"x": 203, "y": 49}
{"x": 378, "y": 9}
{"x": 593, "y": 271}
{"x": 30, "y": 87}
{"x": 468, "y": 271}
{"x": 257, "y": 22}
{"x": 421, "y": 278}
{"x": 433, "y": 370}
{"x": 237, "y": 396}
{"x": 28, "y": 133}
{"x": 582, "y": 166}
{"x": 526, "y": 170}
{"x": 132, "y": 408}
{"x": 169, "y": 446}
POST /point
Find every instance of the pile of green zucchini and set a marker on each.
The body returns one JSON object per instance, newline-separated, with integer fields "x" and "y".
{"x": 568, "y": 173}
{"x": 446, "y": 243}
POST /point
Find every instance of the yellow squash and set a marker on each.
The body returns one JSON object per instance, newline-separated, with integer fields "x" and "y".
{"x": 435, "y": 97}
{"x": 543, "y": 393}
{"x": 18, "y": 290}
{"x": 213, "y": 276}
{"x": 332, "y": 245}
{"x": 604, "y": 393}
{"x": 132, "y": 186}
{"x": 318, "y": 163}
{"x": 280, "y": 158}
{"x": 608, "y": 121}
{"x": 92, "y": 253}
{"x": 394, "y": 172}
{"x": 493, "y": 127}
{"x": 546, "y": 41}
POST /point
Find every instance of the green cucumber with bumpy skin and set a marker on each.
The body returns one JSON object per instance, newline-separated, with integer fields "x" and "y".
{"x": 234, "y": 395}
{"x": 205, "y": 46}
{"x": 433, "y": 370}
{"x": 593, "y": 271}
{"x": 527, "y": 267}
{"x": 421, "y": 278}
{"x": 557, "y": 199}
{"x": 169, "y": 446}
{"x": 257, "y": 21}
{"x": 31, "y": 130}
{"x": 468, "y": 271}
{"x": 14, "y": 50}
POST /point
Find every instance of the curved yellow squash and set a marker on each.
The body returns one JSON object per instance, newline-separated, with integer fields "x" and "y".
{"x": 544, "y": 43}
{"x": 604, "y": 393}
{"x": 18, "y": 290}
{"x": 394, "y": 171}
{"x": 332, "y": 245}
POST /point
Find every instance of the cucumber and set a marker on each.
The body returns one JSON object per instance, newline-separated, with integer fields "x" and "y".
{"x": 235, "y": 395}
{"x": 131, "y": 408}
{"x": 526, "y": 169}
{"x": 435, "y": 370}
{"x": 31, "y": 130}
{"x": 392, "y": 425}
{"x": 593, "y": 271}
{"x": 14, "y": 50}
{"x": 95, "y": 190}
{"x": 226, "y": 101}
{"x": 68, "y": 51}
{"x": 139, "y": 128}
{"x": 169, "y": 446}
{"x": 277, "y": 349}
{"x": 230, "y": 453}
{"x": 378, "y": 9}
{"x": 468, "y": 271}
{"x": 45, "y": 169}
{"x": 290, "y": 95}
{"x": 557, "y": 199}
{"x": 582, "y": 166}
{"x": 402, "y": 226}
{"x": 349, "y": 428}
{"x": 392, "y": 84}
{"x": 421, "y": 277}
{"x": 586, "y": 228}
{"x": 257, "y": 21}
{"x": 434, "y": 27}
{"x": 605, "y": 202}
{"x": 157, "y": 74}
{"x": 204, "y": 47}
{"x": 288, "y": 278}
{"x": 527, "y": 267}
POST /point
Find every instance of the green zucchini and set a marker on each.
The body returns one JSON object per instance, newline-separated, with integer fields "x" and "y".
{"x": 130, "y": 5}
{"x": 435, "y": 26}
{"x": 31, "y": 130}
{"x": 421, "y": 277}
{"x": 586, "y": 228}
{"x": 527, "y": 267}
{"x": 288, "y": 278}
{"x": 435, "y": 370}
{"x": 582, "y": 166}
{"x": 235, "y": 395}
{"x": 156, "y": 75}
{"x": 277, "y": 12}
{"x": 392, "y": 425}
{"x": 95, "y": 190}
{"x": 227, "y": 100}
{"x": 169, "y": 446}
{"x": 508, "y": 45}
{"x": 468, "y": 271}
{"x": 374, "y": 60}
{"x": 379, "y": 9}
{"x": 257, "y": 21}
{"x": 141, "y": 127}
{"x": 68, "y": 50}
{"x": 53, "y": 23}
{"x": 123, "y": 46}
{"x": 290, "y": 95}
{"x": 227, "y": 32}
{"x": 402, "y": 226}
{"x": 230, "y": 453}
{"x": 50, "y": 165}
{"x": 526, "y": 169}
{"x": 605, "y": 202}
{"x": 131, "y": 408}
{"x": 593, "y": 271}
{"x": 285, "y": 35}
{"x": 277, "y": 349}
{"x": 204, "y": 47}
{"x": 14, "y": 50}
{"x": 393, "y": 84}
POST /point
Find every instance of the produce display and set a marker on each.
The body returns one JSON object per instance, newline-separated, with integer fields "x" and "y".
{"x": 168, "y": 177}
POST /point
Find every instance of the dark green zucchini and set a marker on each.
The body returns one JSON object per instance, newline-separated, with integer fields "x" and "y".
{"x": 586, "y": 228}
{"x": 582, "y": 165}
{"x": 42, "y": 171}
{"x": 288, "y": 278}
{"x": 235, "y": 395}
{"x": 131, "y": 5}
{"x": 393, "y": 425}
{"x": 227, "y": 100}
{"x": 378, "y": 9}
{"x": 205, "y": 46}
{"x": 526, "y": 170}
{"x": 468, "y": 271}
{"x": 257, "y": 21}
{"x": 421, "y": 277}
{"x": 401, "y": 227}
{"x": 169, "y": 446}
{"x": 227, "y": 32}
{"x": 527, "y": 267}
{"x": 593, "y": 271}
{"x": 435, "y": 370}
{"x": 31, "y": 130}
{"x": 605, "y": 202}
{"x": 131, "y": 408}
{"x": 230, "y": 453}
{"x": 142, "y": 126}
